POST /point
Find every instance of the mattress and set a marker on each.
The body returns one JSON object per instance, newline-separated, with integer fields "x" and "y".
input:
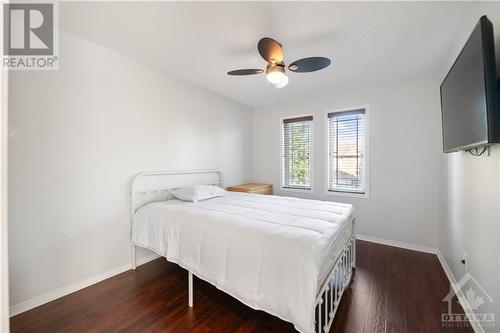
{"x": 270, "y": 252}
{"x": 337, "y": 245}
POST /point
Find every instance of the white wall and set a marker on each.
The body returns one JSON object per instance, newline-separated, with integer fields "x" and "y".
{"x": 404, "y": 162}
{"x": 471, "y": 197}
{"x": 77, "y": 136}
{"x": 4, "y": 259}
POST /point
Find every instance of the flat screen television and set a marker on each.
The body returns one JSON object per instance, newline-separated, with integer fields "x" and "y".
{"x": 469, "y": 94}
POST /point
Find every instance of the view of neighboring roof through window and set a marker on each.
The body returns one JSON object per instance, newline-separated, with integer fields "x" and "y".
{"x": 347, "y": 151}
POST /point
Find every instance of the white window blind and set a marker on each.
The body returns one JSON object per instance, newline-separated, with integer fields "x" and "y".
{"x": 297, "y": 148}
{"x": 346, "y": 151}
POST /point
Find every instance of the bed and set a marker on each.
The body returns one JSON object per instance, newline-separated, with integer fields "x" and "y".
{"x": 290, "y": 257}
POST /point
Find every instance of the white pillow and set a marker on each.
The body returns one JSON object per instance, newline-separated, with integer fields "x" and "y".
{"x": 198, "y": 192}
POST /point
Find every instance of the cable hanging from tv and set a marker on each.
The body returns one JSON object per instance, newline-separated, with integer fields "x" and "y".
{"x": 479, "y": 151}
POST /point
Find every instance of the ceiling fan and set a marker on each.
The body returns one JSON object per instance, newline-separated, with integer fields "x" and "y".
{"x": 272, "y": 52}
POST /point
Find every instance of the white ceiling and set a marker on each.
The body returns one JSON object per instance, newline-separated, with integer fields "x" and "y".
{"x": 370, "y": 43}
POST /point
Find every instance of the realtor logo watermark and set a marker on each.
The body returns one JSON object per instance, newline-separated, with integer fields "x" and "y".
{"x": 30, "y": 38}
{"x": 476, "y": 297}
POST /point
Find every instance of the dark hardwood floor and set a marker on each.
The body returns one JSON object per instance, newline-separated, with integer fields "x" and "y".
{"x": 393, "y": 290}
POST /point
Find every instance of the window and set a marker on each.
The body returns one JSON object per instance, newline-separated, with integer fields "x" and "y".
{"x": 347, "y": 151}
{"x": 297, "y": 149}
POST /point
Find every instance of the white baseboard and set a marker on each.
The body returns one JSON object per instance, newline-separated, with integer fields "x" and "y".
{"x": 55, "y": 294}
{"x": 460, "y": 295}
{"x": 414, "y": 247}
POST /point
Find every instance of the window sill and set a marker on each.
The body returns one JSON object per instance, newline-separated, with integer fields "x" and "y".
{"x": 291, "y": 189}
{"x": 348, "y": 194}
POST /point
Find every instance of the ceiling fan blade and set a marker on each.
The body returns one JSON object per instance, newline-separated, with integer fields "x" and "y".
{"x": 270, "y": 50}
{"x": 311, "y": 64}
{"x": 245, "y": 72}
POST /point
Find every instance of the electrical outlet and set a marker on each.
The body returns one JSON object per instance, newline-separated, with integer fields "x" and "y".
{"x": 464, "y": 260}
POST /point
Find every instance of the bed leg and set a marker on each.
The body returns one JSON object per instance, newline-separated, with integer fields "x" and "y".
{"x": 190, "y": 289}
{"x": 354, "y": 251}
{"x": 134, "y": 265}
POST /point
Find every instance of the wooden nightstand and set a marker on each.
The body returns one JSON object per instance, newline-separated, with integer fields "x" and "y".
{"x": 253, "y": 188}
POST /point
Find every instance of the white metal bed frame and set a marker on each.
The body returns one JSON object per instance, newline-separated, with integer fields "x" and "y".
{"x": 331, "y": 291}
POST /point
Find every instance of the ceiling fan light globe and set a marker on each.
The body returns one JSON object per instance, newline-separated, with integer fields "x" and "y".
{"x": 276, "y": 76}
{"x": 283, "y": 81}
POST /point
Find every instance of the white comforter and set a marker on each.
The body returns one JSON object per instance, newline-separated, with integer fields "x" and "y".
{"x": 265, "y": 251}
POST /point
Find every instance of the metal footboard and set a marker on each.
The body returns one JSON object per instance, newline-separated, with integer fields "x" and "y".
{"x": 332, "y": 290}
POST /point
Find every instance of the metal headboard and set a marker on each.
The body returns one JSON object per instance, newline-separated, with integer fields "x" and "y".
{"x": 139, "y": 198}
{"x": 160, "y": 191}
